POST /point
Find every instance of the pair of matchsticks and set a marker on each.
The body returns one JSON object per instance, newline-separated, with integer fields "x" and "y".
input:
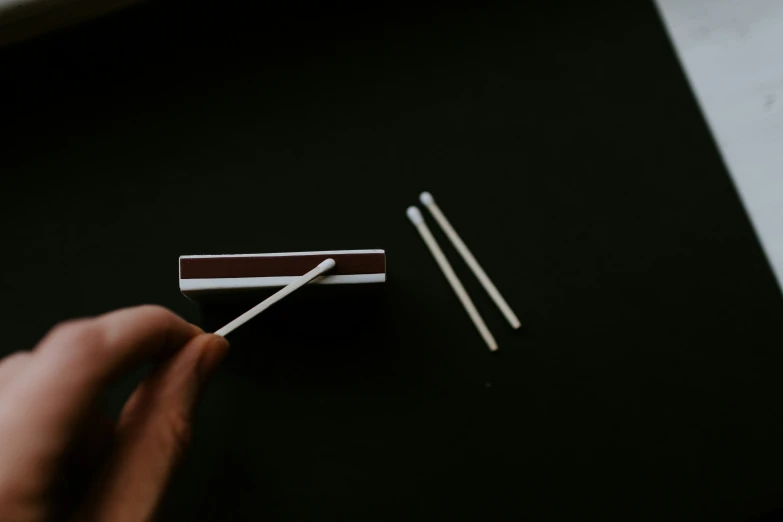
{"x": 418, "y": 220}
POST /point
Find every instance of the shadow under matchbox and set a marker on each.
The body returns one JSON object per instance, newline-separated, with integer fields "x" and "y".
{"x": 202, "y": 274}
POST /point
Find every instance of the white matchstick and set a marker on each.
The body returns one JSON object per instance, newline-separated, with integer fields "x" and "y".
{"x": 428, "y": 201}
{"x": 322, "y": 268}
{"x": 418, "y": 220}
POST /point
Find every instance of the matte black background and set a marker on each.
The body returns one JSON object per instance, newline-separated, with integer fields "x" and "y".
{"x": 562, "y": 141}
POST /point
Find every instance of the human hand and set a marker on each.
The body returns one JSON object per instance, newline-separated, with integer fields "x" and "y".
{"x": 51, "y": 430}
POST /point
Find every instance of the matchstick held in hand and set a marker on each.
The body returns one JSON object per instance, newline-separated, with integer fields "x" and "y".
{"x": 322, "y": 268}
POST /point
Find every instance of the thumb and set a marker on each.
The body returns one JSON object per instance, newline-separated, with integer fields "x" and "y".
{"x": 152, "y": 433}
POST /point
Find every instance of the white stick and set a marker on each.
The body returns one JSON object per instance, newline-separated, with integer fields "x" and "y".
{"x": 417, "y": 219}
{"x": 296, "y": 285}
{"x": 428, "y": 201}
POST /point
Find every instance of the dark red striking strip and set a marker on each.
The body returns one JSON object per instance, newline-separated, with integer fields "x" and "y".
{"x": 277, "y": 266}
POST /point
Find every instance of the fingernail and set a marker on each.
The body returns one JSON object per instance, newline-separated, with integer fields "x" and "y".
{"x": 211, "y": 356}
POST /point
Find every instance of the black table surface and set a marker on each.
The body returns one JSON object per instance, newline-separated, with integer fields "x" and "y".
{"x": 562, "y": 140}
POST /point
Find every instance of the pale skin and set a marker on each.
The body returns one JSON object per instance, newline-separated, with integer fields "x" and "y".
{"x": 50, "y": 423}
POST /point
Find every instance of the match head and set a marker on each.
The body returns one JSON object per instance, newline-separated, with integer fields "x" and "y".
{"x": 327, "y": 264}
{"x": 426, "y": 198}
{"x": 414, "y": 214}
